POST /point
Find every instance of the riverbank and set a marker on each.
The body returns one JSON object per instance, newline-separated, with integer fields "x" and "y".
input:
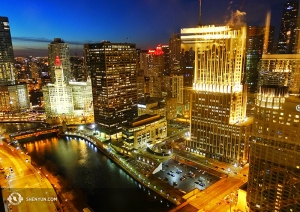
{"x": 71, "y": 199}
{"x": 161, "y": 188}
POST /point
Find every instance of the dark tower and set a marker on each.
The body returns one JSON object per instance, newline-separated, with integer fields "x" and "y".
{"x": 289, "y": 33}
{"x": 7, "y": 73}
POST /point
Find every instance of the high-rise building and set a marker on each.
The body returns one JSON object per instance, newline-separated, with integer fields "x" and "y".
{"x": 58, "y": 96}
{"x": 67, "y": 99}
{"x": 288, "y": 40}
{"x": 113, "y": 72}
{"x": 257, "y": 41}
{"x": 274, "y": 169}
{"x": 13, "y": 98}
{"x": 7, "y": 71}
{"x": 59, "y": 48}
{"x": 219, "y": 127}
{"x": 152, "y": 63}
{"x": 175, "y": 52}
{"x": 166, "y": 49}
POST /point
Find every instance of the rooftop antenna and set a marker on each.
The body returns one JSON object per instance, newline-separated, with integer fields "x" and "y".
{"x": 200, "y": 12}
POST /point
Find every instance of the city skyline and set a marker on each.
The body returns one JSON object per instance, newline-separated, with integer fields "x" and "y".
{"x": 35, "y": 25}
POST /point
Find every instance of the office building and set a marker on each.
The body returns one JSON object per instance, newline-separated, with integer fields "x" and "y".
{"x": 144, "y": 129}
{"x": 7, "y": 71}
{"x": 288, "y": 40}
{"x": 59, "y": 48}
{"x": 174, "y": 53}
{"x": 259, "y": 41}
{"x": 13, "y": 97}
{"x": 219, "y": 127}
{"x": 58, "y": 96}
{"x": 113, "y": 73}
{"x": 274, "y": 169}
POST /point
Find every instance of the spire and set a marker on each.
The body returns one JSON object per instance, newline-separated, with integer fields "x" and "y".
{"x": 57, "y": 61}
{"x": 200, "y": 13}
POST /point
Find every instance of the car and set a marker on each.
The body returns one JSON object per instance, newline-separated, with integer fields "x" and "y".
{"x": 222, "y": 168}
{"x": 182, "y": 178}
{"x": 173, "y": 175}
{"x": 168, "y": 173}
{"x": 197, "y": 182}
{"x": 216, "y": 167}
{"x": 171, "y": 171}
{"x": 1, "y": 168}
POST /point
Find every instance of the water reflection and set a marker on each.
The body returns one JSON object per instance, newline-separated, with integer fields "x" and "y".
{"x": 107, "y": 187}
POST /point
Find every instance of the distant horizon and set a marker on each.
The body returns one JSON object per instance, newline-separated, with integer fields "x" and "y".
{"x": 145, "y": 23}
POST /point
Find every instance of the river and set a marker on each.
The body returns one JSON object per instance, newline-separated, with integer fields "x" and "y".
{"x": 107, "y": 187}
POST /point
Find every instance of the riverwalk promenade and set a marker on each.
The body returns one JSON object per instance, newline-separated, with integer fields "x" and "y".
{"x": 124, "y": 161}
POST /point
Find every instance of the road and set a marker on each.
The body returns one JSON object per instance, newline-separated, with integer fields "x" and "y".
{"x": 19, "y": 176}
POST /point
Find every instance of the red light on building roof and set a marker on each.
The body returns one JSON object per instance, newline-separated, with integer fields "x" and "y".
{"x": 57, "y": 61}
{"x": 158, "y": 51}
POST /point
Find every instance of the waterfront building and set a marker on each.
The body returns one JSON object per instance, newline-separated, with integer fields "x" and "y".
{"x": 288, "y": 39}
{"x": 14, "y": 98}
{"x": 151, "y": 105}
{"x": 58, "y": 96}
{"x": 114, "y": 74}
{"x": 59, "y": 48}
{"x": 219, "y": 126}
{"x": 274, "y": 169}
{"x": 82, "y": 98}
{"x": 143, "y": 130}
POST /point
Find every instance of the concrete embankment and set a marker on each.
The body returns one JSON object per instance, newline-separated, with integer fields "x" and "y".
{"x": 148, "y": 182}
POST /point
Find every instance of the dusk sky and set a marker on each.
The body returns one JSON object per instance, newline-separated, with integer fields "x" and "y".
{"x": 34, "y": 24}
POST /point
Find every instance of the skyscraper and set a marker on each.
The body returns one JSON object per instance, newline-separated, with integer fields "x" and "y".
{"x": 256, "y": 36}
{"x": 274, "y": 169}
{"x": 219, "y": 127}
{"x": 13, "y": 98}
{"x": 7, "y": 71}
{"x": 113, "y": 74}
{"x": 59, "y": 48}
{"x": 289, "y": 29}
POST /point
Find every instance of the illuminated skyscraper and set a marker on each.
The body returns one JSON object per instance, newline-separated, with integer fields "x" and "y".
{"x": 7, "y": 71}
{"x": 59, "y": 48}
{"x": 13, "y": 98}
{"x": 113, "y": 73}
{"x": 289, "y": 29}
{"x": 58, "y": 96}
{"x": 274, "y": 169}
{"x": 219, "y": 127}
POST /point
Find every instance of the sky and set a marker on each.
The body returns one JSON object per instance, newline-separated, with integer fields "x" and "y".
{"x": 147, "y": 23}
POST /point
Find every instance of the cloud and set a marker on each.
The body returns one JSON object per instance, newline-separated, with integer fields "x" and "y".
{"x": 45, "y": 40}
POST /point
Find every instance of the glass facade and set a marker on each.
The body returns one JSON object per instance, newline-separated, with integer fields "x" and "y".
{"x": 114, "y": 84}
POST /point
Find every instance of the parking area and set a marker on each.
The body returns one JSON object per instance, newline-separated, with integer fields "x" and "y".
{"x": 185, "y": 177}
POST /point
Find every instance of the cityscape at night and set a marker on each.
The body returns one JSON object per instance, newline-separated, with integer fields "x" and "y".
{"x": 174, "y": 105}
